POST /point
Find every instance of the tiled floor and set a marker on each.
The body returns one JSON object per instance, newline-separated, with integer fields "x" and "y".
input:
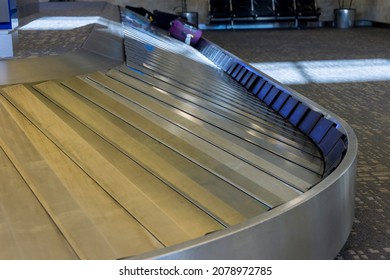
{"x": 46, "y": 34}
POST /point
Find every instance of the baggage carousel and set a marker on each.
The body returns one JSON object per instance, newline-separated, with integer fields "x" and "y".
{"x": 173, "y": 152}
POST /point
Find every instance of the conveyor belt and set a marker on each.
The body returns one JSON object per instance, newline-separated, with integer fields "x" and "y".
{"x": 75, "y": 204}
{"x": 236, "y": 124}
{"x": 161, "y": 150}
{"x": 199, "y": 82}
{"x": 198, "y": 78}
{"x": 212, "y": 99}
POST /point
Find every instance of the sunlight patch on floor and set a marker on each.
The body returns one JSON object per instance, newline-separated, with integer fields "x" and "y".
{"x": 327, "y": 71}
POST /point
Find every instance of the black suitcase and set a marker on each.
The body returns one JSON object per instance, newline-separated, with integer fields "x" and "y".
{"x": 164, "y": 19}
{"x": 141, "y": 11}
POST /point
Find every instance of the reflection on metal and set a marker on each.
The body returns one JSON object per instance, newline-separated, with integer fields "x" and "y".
{"x": 164, "y": 157}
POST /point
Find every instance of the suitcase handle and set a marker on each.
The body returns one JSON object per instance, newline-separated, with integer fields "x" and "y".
{"x": 188, "y": 39}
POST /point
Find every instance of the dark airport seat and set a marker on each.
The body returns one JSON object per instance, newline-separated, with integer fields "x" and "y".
{"x": 298, "y": 114}
{"x": 220, "y": 10}
{"x": 271, "y": 96}
{"x": 320, "y": 129}
{"x": 242, "y": 9}
{"x": 307, "y": 8}
{"x": 288, "y": 107}
{"x": 285, "y": 8}
{"x": 263, "y": 8}
{"x": 309, "y": 121}
{"x": 264, "y": 90}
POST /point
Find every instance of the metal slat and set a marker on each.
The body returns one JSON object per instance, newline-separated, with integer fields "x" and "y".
{"x": 169, "y": 67}
{"x": 28, "y": 231}
{"x": 191, "y": 74}
{"x": 70, "y": 197}
{"x": 281, "y": 132}
{"x": 231, "y": 167}
{"x": 238, "y": 101}
{"x": 184, "y": 177}
{"x": 244, "y": 136}
{"x": 194, "y": 149}
{"x": 156, "y": 211}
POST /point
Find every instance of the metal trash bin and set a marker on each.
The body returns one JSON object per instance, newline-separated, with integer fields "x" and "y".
{"x": 344, "y": 18}
{"x": 192, "y": 17}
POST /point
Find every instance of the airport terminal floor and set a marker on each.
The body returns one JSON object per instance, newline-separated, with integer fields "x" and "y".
{"x": 325, "y": 65}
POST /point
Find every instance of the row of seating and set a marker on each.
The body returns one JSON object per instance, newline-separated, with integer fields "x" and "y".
{"x": 271, "y": 10}
{"x": 324, "y": 132}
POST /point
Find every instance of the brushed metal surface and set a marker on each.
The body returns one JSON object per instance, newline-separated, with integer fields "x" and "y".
{"x": 221, "y": 101}
{"x": 179, "y": 121}
{"x": 314, "y": 226}
{"x": 203, "y": 187}
{"x": 67, "y": 194}
{"x": 28, "y": 234}
{"x": 52, "y": 67}
{"x": 251, "y": 136}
